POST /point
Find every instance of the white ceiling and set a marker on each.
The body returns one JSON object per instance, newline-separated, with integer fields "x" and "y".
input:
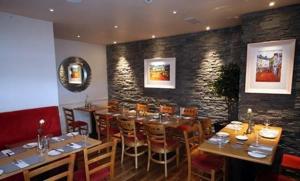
{"x": 94, "y": 20}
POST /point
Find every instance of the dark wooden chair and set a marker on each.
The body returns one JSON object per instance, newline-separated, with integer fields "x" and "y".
{"x": 113, "y": 105}
{"x": 159, "y": 143}
{"x": 131, "y": 139}
{"x": 71, "y": 123}
{"x": 206, "y": 166}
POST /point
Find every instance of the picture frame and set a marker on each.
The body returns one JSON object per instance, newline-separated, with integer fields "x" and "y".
{"x": 160, "y": 73}
{"x": 269, "y": 68}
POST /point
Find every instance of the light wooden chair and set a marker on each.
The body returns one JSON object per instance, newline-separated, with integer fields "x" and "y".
{"x": 71, "y": 123}
{"x": 164, "y": 109}
{"x": 131, "y": 138}
{"x": 141, "y": 109}
{"x": 158, "y": 143}
{"x": 105, "y": 131}
{"x": 206, "y": 166}
{"x": 207, "y": 128}
{"x": 189, "y": 112}
{"x": 99, "y": 163}
{"x": 68, "y": 160}
{"x": 113, "y": 105}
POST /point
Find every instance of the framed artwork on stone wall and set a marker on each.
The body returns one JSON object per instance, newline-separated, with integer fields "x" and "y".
{"x": 270, "y": 67}
{"x": 160, "y": 73}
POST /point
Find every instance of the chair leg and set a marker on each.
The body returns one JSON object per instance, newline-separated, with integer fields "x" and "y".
{"x": 177, "y": 157}
{"x": 123, "y": 149}
{"x": 212, "y": 175}
{"x": 149, "y": 160}
{"x": 136, "y": 157}
{"x": 166, "y": 165}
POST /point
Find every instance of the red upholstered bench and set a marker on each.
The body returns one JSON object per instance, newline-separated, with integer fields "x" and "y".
{"x": 19, "y": 126}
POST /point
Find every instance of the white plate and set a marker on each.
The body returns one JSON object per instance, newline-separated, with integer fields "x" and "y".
{"x": 222, "y": 134}
{"x": 115, "y": 115}
{"x": 256, "y": 154}
{"x": 1, "y": 171}
{"x": 53, "y": 153}
{"x": 242, "y": 137}
{"x": 187, "y": 117}
{"x": 30, "y": 145}
{"x": 72, "y": 134}
{"x": 236, "y": 122}
{"x": 268, "y": 133}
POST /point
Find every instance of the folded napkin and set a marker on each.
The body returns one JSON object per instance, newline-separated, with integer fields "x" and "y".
{"x": 72, "y": 134}
{"x": 57, "y": 139}
{"x": 215, "y": 140}
{"x": 21, "y": 164}
{"x": 7, "y": 152}
{"x": 74, "y": 145}
{"x": 260, "y": 147}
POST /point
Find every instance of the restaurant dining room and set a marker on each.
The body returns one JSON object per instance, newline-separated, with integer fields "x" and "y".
{"x": 150, "y": 90}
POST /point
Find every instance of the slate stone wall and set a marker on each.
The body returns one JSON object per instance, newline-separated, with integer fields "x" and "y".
{"x": 282, "y": 110}
{"x": 198, "y": 59}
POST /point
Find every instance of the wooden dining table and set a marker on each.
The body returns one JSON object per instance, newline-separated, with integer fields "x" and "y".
{"x": 45, "y": 158}
{"x": 239, "y": 149}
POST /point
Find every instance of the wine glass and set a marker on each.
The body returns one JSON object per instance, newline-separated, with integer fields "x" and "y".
{"x": 267, "y": 123}
{"x": 84, "y": 134}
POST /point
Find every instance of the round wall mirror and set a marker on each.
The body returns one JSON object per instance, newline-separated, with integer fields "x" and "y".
{"x": 74, "y": 74}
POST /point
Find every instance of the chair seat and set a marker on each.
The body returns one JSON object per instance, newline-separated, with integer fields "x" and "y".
{"x": 206, "y": 162}
{"x": 274, "y": 177}
{"x": 79, "y": 175}
{"x": 78, "y": 124}
{"x": 159, "y": 147}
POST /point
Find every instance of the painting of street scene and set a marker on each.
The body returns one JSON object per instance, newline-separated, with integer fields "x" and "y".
{"x": 268, "y": 66}
{"x": 160, "y": 72}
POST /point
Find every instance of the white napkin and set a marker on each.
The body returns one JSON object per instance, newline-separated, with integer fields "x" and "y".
{"x": 215, "y": 140}
{"x": 74, "y": 145}
{"x": 261, "y": 147}
{"x": 58, "y": 139}
{"x": 21, "y": 164}
{"x": 72, "y": 134}
{"x": 8, "y": 152}
{"x": 234, "y": 126}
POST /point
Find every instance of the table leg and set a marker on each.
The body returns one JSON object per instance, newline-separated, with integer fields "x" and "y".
{"x": 93, "y": 134}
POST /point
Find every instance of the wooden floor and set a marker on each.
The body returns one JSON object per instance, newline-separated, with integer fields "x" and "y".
{"x": 127, "y": 172}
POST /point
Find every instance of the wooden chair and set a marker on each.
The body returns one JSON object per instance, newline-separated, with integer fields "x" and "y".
{"x": 66, "y": 161}
{"x": 131, "y": 139}
{"x": 206, "y": 166}
{"x": 189, "y": 112}
{"x": 289, "y": 163}
{"x": 207, "y": 128}
{"x": 169, "y": 110}
{"x": 99, "y": 163}
{"x": 104, "y": 128}
{"x": 141, "y": 109}
{"x": 158, "y": 143}
{"x": 71, "y": 124}
{"x": 113, "y": 105}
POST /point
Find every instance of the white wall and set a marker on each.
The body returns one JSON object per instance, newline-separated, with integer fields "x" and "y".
{"x": 95, "y": 55}
{"x": 27, "y": 63}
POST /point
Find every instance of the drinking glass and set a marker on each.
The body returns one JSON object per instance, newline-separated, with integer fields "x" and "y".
{"x": 220, "y": 140}
{"x": 257, "y": 138}
{"x": 267, "y": 123}
{"x": 85, "y": 134}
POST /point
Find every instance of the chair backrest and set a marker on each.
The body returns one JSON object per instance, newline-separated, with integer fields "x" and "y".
{"x": 68, "y": 160}
{"x": 102, "y": 124}
{"x": 193, "y": 136}
{"x": 156, "y": 133}
{"x": 189, "y": 111}
{"x": 207, "y": 127}
{"x": 164, "y": 109}
{"x": 290, "y": 162}
{"x": 100, "y": 157}
{"x": 141, "y": 108}
{"x": 127, "y": 128}
{"x": 113, "y": 105}
{"x": 69, "y": 116}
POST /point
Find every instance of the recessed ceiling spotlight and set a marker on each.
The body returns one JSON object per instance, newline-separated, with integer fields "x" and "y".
{"x": 207, "y": 28}
{"x": 115, "y": 42}
{"x": 77, "y": 36}
{"x": 116, "y": 26}
{"x": 174, "y": 12}
{"x": 272, "y": 3}
{"x": 51, "y": 9}
{"x": 153, "y": 36}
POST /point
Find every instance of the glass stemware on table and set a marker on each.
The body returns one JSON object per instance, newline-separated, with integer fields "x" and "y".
{"x": 85, "y": 134}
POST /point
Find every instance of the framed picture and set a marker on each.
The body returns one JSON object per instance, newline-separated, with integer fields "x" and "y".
{"x": 270, "y": 67}
{"x": 75, "y": 73}
{"x": 160, "y": 73}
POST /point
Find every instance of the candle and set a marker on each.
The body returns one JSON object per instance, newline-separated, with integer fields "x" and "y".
{"x": 249, "y": 111}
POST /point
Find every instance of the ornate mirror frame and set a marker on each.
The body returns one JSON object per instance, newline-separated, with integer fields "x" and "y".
{"x": 74, "y": 74}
